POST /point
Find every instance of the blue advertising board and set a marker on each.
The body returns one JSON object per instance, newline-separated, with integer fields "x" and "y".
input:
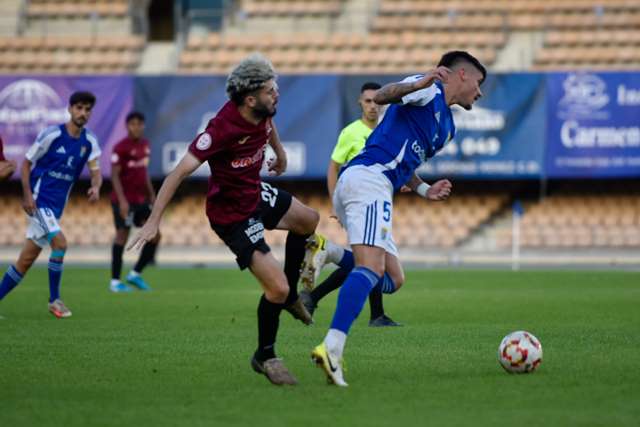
{"x": 593, "y": 125}
{"x": 526, "y": 125}
{"x": 502, "y": 136}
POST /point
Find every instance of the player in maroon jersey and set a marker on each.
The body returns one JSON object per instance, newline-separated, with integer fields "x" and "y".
{"x": 240, "y": 206}
{"x": 131, "y": 200}
{"x": 7, "y": 167}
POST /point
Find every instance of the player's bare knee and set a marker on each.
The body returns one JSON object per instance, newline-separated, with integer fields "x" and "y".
{"x": 398, "y": 279}
{"x": 156, "y": 239}
{"x": 313, "y": 221}
{"x": 278, "y": 294}
{"x": 59, "y": 242}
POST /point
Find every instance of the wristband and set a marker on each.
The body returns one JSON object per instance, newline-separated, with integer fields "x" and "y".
{"x": 422, "y": 189}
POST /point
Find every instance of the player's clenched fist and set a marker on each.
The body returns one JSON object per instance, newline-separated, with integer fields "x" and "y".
{"x": 441, "y": 190}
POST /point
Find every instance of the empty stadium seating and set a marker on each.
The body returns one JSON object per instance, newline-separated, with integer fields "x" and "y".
{"x": 579, "y": 222}
{"x": 71, "y": 37}
{"x": 70, "y": 54}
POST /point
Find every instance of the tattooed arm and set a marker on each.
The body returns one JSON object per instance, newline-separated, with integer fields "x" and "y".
{"x": 393, "y": 92}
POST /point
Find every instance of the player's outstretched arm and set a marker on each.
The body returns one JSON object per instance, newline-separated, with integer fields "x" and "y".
{"x": 186, "y": 167}
{"x": 392, "y": 93}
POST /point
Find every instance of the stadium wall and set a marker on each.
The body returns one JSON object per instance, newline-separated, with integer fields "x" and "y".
{"x": 527, "y": 126}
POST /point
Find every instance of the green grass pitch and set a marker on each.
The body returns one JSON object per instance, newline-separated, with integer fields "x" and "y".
{"x": 180, "y": 355}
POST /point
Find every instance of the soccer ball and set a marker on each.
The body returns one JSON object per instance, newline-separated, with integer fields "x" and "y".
{"x": 520, "y": 352}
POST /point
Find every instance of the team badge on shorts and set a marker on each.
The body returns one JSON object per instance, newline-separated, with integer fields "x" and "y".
{"x": 384, "y": 232}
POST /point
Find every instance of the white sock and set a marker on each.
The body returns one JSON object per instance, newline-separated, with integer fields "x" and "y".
{"x": 335, "y": 341}
{"x": 114, "y": 282}
{"x": 334, "y": 252}
{"x": 133, "y": 273}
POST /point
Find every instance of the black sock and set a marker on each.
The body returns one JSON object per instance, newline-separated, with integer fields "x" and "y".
{"x": 333, "y": 282}
{"x": 147, "y": 254}
{"x": 268, "y": 322}
{"x": 116, "y": 261}
{"x": 375, "y": 302}
{"x": 293, "y": 256}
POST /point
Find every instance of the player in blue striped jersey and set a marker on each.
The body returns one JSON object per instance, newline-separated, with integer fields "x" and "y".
{"x": 415, "y": 127}
{"x": 51, "y": 166}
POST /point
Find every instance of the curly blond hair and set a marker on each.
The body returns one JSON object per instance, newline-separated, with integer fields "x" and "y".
{"x": 248, "y": 76}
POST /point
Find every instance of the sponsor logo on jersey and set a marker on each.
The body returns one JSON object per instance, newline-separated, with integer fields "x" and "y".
{"x": 243, "y": 140}
{"x": 62, "y": 176}
{"x": 244, "y": 162}
{"x": 203, "y": 142}
{"x": 416, "y": 148}
{"x": 61, "y": 150}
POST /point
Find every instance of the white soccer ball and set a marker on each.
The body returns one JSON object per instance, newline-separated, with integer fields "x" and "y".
{"x": 520, "y": 352}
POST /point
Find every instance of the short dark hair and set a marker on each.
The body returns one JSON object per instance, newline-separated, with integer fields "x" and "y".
{"x": 82, "y": 97}
{"x": 370, "y": 86}
{"x": 455, "y": 57}
{"x": 134, "y": 115}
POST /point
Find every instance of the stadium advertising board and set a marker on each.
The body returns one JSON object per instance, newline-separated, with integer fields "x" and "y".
{"x": 179, "y": 107}
{"x": 501, "y": 137}
{"x": 28, "y": 104}
{"x": 593, "y": 125}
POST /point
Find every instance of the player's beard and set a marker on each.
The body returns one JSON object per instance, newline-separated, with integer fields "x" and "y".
{"x": 263, "y": 111}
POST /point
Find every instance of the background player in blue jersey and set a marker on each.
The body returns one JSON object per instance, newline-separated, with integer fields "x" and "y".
{"x": 51, "y": 167}
{"x": 415, "y": 127}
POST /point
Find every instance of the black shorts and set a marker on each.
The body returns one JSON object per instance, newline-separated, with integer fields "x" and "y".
{"x": 247, "y": 236}
{"x": 138, "y": 215}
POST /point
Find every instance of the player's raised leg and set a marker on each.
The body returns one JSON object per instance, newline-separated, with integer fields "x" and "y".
{"x": 276, "y": 291}
{"x": 15, "y": 273}
{"x": 320, "y": 251}
{"x": 391, "y": 281}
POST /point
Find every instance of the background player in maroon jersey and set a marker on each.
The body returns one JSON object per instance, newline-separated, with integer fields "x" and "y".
{"x": 131, "y": 200}
{"x": 7, "y": 167}
{"x": 240, "y": 206}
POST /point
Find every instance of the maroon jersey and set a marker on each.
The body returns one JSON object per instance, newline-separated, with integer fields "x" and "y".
{"x": 133, "y": 158}
{"x": 234, "y": 149}
{"x": 1, "y": 152}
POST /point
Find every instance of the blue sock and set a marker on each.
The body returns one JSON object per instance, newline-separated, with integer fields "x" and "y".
{"x": 388, "y": 287}
{"x": 353, "y": 294}
{"x": 347, "y": 262}
{"x": 9, "y": 281}
{"x": 55, "y": 274}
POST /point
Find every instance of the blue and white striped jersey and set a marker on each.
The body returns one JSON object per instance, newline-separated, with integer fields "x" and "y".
{"x": 409, "y": 134}
{"x": 57, "y": 161}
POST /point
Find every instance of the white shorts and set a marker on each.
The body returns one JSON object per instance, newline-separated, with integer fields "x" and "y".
{"x": 42, "y": 226}
{"x": 363, "y": 200}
